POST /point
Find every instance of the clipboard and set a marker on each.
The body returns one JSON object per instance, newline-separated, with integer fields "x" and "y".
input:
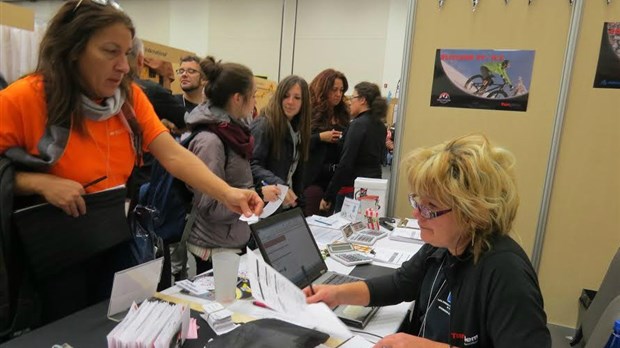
{"x": 54, "y": 241}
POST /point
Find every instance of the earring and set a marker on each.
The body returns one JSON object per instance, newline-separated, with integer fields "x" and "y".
{"x": 472, "y": 239}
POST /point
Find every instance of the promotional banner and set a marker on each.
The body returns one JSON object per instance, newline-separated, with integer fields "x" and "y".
{"x": 482, "y": 79}
{"x": 608, "y": 68}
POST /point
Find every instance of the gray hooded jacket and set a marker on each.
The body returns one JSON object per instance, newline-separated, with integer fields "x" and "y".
{"x": 216, "y": 226}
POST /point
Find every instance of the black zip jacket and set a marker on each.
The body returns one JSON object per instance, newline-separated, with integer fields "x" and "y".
{"x": 266, "y": 167}
{"x": 494, "y": 303}
{"x": 362, "y": 153}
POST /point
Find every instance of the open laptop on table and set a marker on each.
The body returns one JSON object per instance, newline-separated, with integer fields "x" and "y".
{"x": 286, "y": 244}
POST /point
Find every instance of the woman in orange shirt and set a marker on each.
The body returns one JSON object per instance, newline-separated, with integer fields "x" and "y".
{"x": 79, "y": 118}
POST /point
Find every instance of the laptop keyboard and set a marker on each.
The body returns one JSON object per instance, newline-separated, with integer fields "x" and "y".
{"x": 335, "y": 279}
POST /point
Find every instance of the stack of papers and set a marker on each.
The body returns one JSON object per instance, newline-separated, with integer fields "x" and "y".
{"x": 407, "y": 230}
{"x": 153, "y": 324}
{"x": 393, "y": 257}
{"x": 288, "y": 302}
{"x": 218, "y": 317}
{"x": 335, "y": 221}
{"x": 405, "y": 234}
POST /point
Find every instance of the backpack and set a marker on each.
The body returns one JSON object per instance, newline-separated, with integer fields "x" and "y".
{"x": 163, "y": 206}
{"x": 18, "y": 305}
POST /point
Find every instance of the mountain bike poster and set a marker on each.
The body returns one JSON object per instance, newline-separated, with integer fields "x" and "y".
{"x": 482, "y": 79}
{"x": 608, "y": 67}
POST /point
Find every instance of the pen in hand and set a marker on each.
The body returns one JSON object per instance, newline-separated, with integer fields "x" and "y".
{"x": 303, "y": 269}
{"x": 98, "y": 180}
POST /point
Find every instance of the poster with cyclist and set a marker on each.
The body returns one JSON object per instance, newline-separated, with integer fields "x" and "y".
{"x": 482, "y": 79}
{"x": 608, "y": 67}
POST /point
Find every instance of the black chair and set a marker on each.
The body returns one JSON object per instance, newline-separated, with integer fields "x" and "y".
{"x": 595, "y": 323}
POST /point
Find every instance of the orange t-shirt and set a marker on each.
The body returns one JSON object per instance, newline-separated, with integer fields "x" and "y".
{"x": 105, "y": 151}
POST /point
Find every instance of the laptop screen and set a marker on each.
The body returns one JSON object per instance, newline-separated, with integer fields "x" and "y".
{"x": 287, "y": 244}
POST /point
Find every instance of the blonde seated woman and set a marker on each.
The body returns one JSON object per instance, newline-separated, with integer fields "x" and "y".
{"x": 473, "y": 285}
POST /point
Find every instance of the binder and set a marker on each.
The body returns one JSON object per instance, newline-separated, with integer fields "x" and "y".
{"x": 54, "y": 241}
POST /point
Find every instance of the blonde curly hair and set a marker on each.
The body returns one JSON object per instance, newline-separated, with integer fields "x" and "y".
{"x": 475, "y": 179}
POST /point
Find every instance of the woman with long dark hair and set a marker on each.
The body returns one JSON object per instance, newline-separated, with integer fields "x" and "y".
{"x": 282, "y": 134}
{"x": 79, "y": 119}
{"x": 330, "y": 117}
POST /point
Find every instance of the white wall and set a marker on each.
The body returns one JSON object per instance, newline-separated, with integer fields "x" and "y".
{"x": 247, "y": 32}
{"x": 362, "y": 38}
{"x": 348, "y": 36}
{"x": 394, "y": 45}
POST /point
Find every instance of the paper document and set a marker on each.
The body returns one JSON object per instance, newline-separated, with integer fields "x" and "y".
{"x": 324, "y": 236}
{"x": 283, "y": 296}
{"x": 350, "y": 209}
{"x": 391, "y": 256}
{"x": 269, "y": 209}
{"x": 403, "y": 234}
{"x": 335, "y": 221}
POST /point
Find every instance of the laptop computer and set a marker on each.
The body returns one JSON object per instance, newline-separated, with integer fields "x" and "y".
{"x": 286, "y": 243}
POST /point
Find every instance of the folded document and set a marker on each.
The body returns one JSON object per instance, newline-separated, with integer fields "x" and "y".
{"x": 154, "y": 324}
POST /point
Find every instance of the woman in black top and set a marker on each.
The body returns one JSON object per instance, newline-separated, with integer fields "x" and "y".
{"x": 363, "y": 147}
{"x": 330, "y": 117}
{"x": 473, "y": 285}
{"x": 281, "y": 136}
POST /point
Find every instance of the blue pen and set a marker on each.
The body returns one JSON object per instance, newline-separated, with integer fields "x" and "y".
{"x": 323, "y": 222}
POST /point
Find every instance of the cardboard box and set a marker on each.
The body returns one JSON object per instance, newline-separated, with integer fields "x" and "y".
{"x": 264, "y": 90}
{"x": 389, "y": 118}
{"x": 167, "y": 54}
{"x": 16, "y": 16}
{"x": 372, "y": 193}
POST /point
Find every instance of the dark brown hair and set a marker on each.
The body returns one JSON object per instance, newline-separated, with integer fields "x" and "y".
{"x": 226, "y": 79}
{"x": 64, "y": 41}
{"x": 372, "y": 94}
{"x": 322, "y": 113}
{"x": 277, "y": 118}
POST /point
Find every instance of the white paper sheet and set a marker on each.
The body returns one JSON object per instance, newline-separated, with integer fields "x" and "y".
{"x": 269, "y": 209}
{"x": 390, "y": 256}
{"x": 324, "y": 236}
{"x": 284, "y": 297}
{"x": 334, "y": 222}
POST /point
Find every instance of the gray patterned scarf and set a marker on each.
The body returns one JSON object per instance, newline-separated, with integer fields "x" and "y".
{"x": 53, "y": 142}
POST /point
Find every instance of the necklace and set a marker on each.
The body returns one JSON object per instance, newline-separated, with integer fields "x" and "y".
{"x": 106, "y": 156}
{"x": 430, "y": 302}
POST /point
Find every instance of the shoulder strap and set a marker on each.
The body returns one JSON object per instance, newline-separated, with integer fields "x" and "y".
{"x": 186, "y": 141}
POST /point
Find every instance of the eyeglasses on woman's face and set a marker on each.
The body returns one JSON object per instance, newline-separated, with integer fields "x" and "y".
{"x": 425, "y": 211}
{"x": 101, "y": 3}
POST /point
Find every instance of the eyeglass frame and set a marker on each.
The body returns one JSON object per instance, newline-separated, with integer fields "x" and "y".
{"x": 425, "y": 211}
{"x": 112, "y": 3}
{"x": 181, "y": 71}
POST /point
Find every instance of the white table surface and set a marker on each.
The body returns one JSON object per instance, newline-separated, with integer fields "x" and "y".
{"x": 387, "y": 319}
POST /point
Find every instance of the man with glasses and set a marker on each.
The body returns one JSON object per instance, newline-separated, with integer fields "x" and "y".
{"x": 192, "y": 82}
